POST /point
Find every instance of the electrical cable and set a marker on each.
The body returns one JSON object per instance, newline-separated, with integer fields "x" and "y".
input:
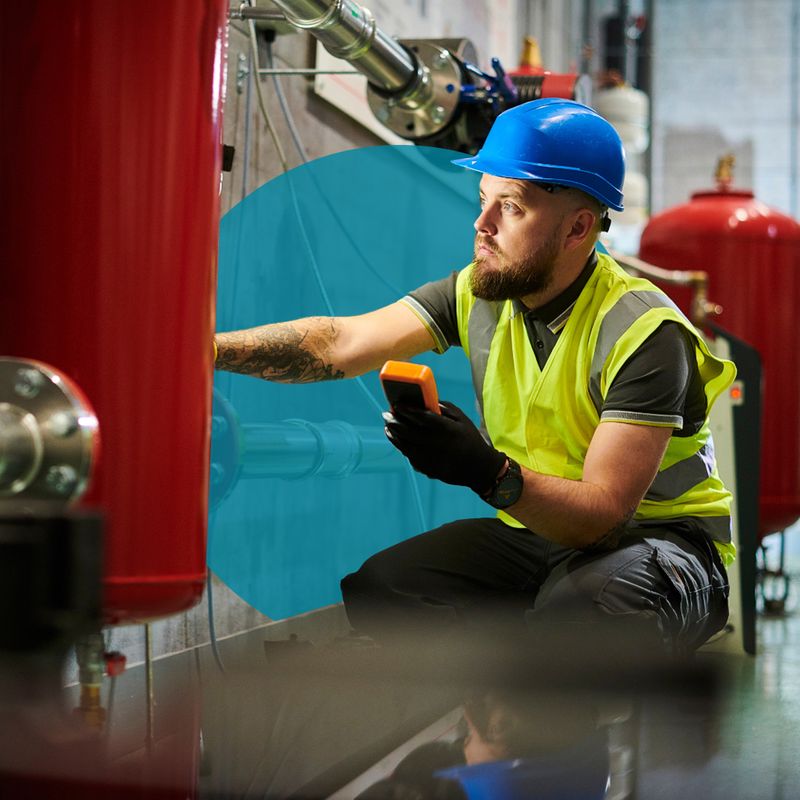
{"x": 359, "y": 380}
{"x": 260, "y": 95}
{"x": 317, "y": 275}
{"x": 307, "y": 243}
{"x": 287, "y": 114}
{"x": 212, "y": 628}
{"x": 212, "y": 631}
{"x": 301, "y": 149}
{"x": 248, "y": 110}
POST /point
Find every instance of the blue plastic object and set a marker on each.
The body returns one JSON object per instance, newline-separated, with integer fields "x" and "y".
{"x": 498, "y": 90}
{"x": 555, "y": 141}
{"x": 579, "y": 772}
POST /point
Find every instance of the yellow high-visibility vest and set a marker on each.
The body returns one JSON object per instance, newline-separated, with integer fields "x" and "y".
{"x": 545, "y": 418}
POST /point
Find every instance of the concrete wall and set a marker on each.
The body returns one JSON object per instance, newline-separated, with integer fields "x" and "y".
{"x": 323, "y": 128}
{"x": 556, "y": 24}
{"x": 725, "y": 79}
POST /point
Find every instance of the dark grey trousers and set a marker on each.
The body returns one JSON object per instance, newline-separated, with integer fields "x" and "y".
{"x": 482, "y": 572}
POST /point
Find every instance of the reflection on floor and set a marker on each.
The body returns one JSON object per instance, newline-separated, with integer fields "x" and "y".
{"x": 320, "y": 739}
{"x": 756, "y": 746}
{"x": 313, "y": 721}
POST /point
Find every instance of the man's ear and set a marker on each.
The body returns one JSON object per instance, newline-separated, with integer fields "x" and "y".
{"x": 582, "y": 226}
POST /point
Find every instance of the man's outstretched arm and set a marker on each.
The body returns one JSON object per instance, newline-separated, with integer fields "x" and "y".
{"x": 323, "y": 348}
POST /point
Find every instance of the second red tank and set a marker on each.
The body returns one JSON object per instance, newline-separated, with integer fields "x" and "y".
{"x": 751, "y": 253}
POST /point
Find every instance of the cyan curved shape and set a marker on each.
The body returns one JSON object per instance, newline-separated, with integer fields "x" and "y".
{"x": 341, "y": 235}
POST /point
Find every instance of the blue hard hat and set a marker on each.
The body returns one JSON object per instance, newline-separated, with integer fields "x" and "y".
{"x": 555, "y": 141}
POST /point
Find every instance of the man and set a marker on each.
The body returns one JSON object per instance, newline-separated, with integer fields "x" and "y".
{"x": 594, "y": 392}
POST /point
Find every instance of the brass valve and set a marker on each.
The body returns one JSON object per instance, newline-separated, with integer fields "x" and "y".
{"x": 531, "y": 55}
{"x": 90, "y": 708}
{"x": 724, "y": 172}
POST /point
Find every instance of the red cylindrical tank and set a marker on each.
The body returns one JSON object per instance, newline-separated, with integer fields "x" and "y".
{"x": 752, "y": 256}
{"x": 111, "y": 144}
{"x": 534, "y": 81}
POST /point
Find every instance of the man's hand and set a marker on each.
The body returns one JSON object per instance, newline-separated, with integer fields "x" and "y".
{"x": 445, "y": 446}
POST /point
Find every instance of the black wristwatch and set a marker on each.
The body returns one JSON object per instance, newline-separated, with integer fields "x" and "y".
{"x": 508, "y": 487}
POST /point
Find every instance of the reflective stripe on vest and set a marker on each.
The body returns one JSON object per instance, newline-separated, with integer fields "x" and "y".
{"x": 482, "y": 325}
{"x": 626, "y": 311}
{"x": 613, "y": 316}
{"x": 679, "y": 478}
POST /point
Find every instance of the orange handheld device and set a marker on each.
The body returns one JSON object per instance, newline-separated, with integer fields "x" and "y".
{"x": 410, "y": 385}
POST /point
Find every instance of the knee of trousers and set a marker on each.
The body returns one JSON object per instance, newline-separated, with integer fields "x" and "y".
{"x": 596, "y": 611}
{"x": 372, "y": 582}
{"x": 640, "y": 585}
{"x": 577, "y": 596}
{"x": 374, "y": 600}
{"x": 625, "y": 585}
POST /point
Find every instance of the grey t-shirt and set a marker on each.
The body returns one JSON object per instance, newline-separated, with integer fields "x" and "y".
{"x": 658, "y": 385}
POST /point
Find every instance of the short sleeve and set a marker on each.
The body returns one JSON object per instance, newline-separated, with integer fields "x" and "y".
{"x": 435, "y": 305}
{"x": 659, "y": 385}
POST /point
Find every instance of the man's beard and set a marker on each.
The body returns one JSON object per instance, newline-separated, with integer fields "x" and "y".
{"x": 510, "y": 280}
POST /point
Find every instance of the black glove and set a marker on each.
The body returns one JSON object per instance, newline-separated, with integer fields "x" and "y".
{"x": 445, "y": 446}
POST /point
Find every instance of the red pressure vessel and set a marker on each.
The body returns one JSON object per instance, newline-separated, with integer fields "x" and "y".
{"x": 752, "y": 256}
{"x": 111, "y": 148}
{"x": 534, "y": 81}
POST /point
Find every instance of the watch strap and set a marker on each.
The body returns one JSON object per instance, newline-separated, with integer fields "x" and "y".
{"x": 507, "y": 488}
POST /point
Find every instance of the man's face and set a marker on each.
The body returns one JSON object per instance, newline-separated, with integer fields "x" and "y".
{"x": 479, "y": 748}
{"x": 517, "y": 240}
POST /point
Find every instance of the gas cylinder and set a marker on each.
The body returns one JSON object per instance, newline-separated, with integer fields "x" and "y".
{"x": 111, "y": 147}
{"x": 627, "y": 109}
{"x": 752, "y": 256}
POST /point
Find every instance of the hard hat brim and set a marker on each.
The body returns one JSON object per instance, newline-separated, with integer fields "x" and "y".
{"x": 603, "y": 191}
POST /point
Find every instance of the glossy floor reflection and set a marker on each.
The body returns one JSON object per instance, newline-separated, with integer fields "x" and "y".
{"x": 748, "y": 748}
{"x": 757, "y": 753}
{"x": 330, "y": 719}
{"x": 326, "y": 723}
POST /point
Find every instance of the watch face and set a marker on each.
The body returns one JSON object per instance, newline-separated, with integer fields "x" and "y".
{"x": 510, "y": 487}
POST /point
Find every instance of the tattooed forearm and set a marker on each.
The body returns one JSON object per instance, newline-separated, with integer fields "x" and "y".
{"x": 291, "y": 352}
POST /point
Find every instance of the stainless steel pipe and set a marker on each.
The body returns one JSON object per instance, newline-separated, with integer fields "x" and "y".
{"x": 247, "y": 12}
{"x": 348, "y": 30}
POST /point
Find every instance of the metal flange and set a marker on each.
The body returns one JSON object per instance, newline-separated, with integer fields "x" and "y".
{"x": 48, "y": 433}
{"x": 428, "y": 104}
